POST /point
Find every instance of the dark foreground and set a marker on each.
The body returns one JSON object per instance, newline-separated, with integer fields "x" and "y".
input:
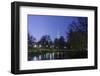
{"x": 57, "y": 55}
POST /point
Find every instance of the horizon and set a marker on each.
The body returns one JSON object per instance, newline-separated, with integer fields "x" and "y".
{"x": 54, "y": 26}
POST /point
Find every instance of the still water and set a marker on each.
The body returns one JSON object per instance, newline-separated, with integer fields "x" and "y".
{"x": 49, "y": 56}
{"x": 58, "y": 55}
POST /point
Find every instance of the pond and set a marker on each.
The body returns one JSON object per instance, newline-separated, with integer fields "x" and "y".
{"x": 58, "y": 55}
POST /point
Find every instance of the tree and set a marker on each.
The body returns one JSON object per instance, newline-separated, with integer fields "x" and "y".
{"x": 77, "y": 41}
{"x": 59, "y": 42}
{"x": 83, "y": 24}
{"x": 45, "y": 41}
{"x": 31, "y": 41}
{"x": 77, "y": 36}
{"x": 56, "y": 43}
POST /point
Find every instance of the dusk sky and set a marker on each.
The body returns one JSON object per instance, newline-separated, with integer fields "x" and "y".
{"x": 40, "y": 25}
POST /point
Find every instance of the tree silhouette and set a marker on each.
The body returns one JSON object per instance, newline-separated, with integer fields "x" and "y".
{"x": 56, "y": 43}
{"x": 45, "y": 41}
{"x": 59, "y": 42}
{"x": 31, "y": 41}
{"x": 77, "y": 36}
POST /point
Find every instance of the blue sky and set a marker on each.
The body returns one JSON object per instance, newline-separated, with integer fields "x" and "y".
{"x": 40, "y": 25}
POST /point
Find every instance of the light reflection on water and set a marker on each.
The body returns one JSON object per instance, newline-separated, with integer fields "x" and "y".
{"x": 48, "y": 56}
{"x": 58, "y": 55}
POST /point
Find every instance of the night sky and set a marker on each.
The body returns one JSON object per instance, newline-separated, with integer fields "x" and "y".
{"x": 40, "y": 25}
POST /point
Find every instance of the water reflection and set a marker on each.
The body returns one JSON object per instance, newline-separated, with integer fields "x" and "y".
{"x": 49, "y": 56}
{"x": 57, "y": 55}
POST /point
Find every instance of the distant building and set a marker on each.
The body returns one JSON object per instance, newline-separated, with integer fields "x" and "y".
{"x": 37, "y": 45}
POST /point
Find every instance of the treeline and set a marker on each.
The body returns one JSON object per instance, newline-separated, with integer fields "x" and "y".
{"x": 46, "y": 41}
{"x": 75, "y": 39}
{"x": 78, "y": 35}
